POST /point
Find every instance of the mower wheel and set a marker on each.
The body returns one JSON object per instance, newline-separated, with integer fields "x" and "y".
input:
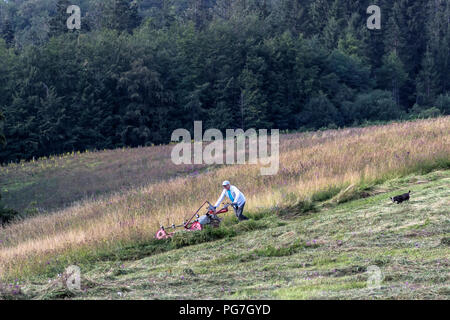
{"x": 195, "y": 226}
{"x": 162, "y": 234}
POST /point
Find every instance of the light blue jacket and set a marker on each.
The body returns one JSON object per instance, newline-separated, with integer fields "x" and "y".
{"x": 238, "y": 196}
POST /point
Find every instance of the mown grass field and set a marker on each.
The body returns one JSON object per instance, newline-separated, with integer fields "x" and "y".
{"x": 318, "y": 255}
{"x": 326, "y": 210}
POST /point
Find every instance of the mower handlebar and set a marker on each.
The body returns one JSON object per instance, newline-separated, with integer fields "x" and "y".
{"x": 211, "y": 208}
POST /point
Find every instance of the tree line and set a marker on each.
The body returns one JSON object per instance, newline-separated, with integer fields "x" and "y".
{"x": 137, "y": 70}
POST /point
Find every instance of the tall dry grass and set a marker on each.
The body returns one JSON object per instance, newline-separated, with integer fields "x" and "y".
{"x": 309, "y": 162}
{"x": 57, "y": 181}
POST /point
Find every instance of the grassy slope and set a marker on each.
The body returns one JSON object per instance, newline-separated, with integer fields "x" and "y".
{"x": 317, "y": 255}
{"x": 51, "y": 183}
{"x": 57, "y": 182}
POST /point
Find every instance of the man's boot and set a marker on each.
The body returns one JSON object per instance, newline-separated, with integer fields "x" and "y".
{"x": 242, "y": 218}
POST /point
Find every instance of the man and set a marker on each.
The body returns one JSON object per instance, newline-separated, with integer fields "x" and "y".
{"x": 236, "y": 197}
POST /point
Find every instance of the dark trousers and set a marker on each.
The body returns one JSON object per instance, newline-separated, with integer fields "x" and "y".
{"x": 239, "y": 211}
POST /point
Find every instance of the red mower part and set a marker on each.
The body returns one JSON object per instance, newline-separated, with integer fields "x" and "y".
{"x": 162, "y": 234}
{"x": 223, "y": 210}
{"x": 196, "y": 226}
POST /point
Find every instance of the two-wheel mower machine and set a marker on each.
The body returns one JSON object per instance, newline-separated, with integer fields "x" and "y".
{"x": 209, "y": 218}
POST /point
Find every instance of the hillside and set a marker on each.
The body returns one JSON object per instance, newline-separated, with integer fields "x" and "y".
{"x": 96, "y": 96}
{"x": 330, "y": 198}
{"x": 48, "y": 184}
{"x": 320, "y": 255}
{"x": 52, "y": 183}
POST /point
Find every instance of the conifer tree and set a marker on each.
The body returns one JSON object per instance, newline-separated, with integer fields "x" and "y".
{"x": 122, "y": 15}
{"x": 428, "y": 80}
{"x": 392, "y": 75}
{"x": 2, "y": 136}
{"x": 8, "y": 33}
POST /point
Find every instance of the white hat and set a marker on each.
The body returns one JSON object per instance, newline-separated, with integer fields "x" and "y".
{"x": 225, "y": 183}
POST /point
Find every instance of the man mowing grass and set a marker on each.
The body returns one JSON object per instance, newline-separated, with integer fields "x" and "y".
{"x": 236, "y": 197}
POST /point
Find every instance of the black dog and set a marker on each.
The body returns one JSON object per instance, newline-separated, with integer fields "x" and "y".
{"x": 401, "y": 198}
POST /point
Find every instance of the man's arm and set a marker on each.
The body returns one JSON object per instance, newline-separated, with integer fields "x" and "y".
{"x": 220, "y": 199}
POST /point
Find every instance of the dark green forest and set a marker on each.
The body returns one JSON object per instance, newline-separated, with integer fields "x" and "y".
{"x": 137, "y": 70}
